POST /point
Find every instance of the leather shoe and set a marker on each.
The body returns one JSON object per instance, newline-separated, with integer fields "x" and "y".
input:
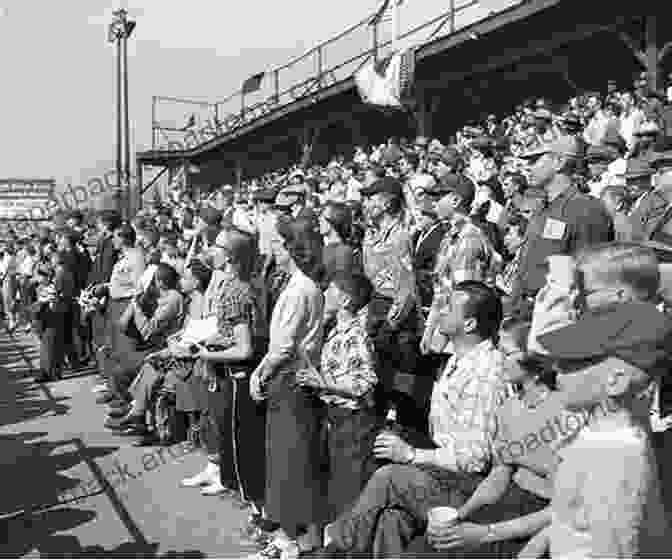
{"x": 118, "y": 411}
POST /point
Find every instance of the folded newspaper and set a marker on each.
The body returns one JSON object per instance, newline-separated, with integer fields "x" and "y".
{"x": 199, "y": 330}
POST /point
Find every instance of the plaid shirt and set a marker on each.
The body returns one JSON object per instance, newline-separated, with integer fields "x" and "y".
{"x": 348, "y": 362}
{"x": 236, "y": 305}
{"x": 465, "y": 254}
{"x": 464, "y": 401}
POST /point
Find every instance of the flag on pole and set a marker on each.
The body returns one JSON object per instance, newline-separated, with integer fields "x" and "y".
{"x": 388, "y": 82}
{"x": 253, "y": 83}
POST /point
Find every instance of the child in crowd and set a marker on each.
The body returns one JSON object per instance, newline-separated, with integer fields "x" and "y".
{"x": 345, "y": 383}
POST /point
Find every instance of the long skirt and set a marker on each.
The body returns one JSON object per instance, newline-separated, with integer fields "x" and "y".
{"x": 294, "y": 480}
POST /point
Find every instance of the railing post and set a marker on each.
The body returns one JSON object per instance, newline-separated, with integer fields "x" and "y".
{"x": 276, "y": 80}
{"x": 452, "y": 16}
{"x": 153, "y": 122}
{"x": 375, "y": 42}
{"x": 319, "y": 64}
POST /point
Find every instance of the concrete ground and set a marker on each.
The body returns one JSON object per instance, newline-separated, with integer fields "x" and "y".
{"x": 71, "y": 488}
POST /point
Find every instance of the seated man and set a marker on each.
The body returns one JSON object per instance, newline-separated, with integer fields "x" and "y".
{"x": 164, "y": 321}
{"x": 393, "y": 506}
{"x": 607, "y": 499}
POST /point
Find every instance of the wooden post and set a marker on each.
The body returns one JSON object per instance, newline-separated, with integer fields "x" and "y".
{"x": 651, "y": 51}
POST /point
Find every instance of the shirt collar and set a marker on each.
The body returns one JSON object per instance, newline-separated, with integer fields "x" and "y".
{"x": 471, "y": 356}
{"x": 356, "y": 321}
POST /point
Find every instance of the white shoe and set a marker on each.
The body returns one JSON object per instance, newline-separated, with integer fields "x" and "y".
{"x": 102, "y": 388}
{"x": 214, "y": 489}
{"x": 659, "y": 424}
{"x": 207, "y": 477}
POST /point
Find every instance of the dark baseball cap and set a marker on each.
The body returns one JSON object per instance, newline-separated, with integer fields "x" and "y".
{"x": 454, "y": 183}
{"x": 637, "y": 333}
{"x": 386, "y": 184}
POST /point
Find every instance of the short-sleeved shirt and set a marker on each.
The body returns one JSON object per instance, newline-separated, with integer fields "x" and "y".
{"x": 236, "y": 305}
{"x": 526, "y": 438}
{"x": 571, "y": 222}
{"x": 388, "y": 265}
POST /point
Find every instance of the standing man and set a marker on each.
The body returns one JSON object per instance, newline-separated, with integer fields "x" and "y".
{"x": 393, "y": 318}
{"x": 571, "y": 220}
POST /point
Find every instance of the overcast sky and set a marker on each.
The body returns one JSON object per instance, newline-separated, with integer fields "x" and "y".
{"x": 57, "y": 100}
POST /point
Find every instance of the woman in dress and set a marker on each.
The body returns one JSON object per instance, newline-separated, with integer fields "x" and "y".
{"x": 294, "y": 414}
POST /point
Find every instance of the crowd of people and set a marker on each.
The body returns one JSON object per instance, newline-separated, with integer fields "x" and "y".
{"x": 425, "y": 350}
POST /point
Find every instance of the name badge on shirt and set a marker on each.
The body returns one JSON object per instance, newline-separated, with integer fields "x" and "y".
{"x": 554, "y": 229}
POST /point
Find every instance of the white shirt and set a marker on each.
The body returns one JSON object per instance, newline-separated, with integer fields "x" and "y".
{"x": 296, "y": 323}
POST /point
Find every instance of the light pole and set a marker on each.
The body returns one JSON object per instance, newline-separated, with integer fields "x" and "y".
{"x": 119, "y": 31}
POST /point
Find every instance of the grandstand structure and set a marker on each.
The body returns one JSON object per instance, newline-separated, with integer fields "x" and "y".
{"x": 465, "y": 68}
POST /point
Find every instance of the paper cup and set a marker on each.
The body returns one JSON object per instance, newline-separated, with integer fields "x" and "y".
{"x": 441, "y": 515}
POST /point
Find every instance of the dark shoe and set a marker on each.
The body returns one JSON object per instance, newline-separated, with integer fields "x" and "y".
{"x": 118, "y": 411}
{"x": 104, "y": 398}
{"x": 329, "y": 551}
{"x": 125, "y": 421}
{"x": 147, "y": 440}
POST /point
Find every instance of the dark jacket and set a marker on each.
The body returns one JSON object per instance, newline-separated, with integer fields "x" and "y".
{"x": 106, "y": 256}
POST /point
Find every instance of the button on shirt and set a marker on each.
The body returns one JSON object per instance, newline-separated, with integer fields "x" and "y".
{"x": 464, "y": 401}
{"x": 126, "y": 274}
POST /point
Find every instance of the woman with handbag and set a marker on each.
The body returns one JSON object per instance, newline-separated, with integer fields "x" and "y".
{"x": 234, "y": 423}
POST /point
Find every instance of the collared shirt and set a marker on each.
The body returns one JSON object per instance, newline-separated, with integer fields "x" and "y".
{"x": 126, "y": 274}
{"x": 296, "y": 324}
{"x": 465, "y": 254}
{"x": 236, "y": 305}
{"x": 387, "y": 261}
{"x": 348, "y": 362}
{"x": 571, "y": 222}
{"x": 464, "y": 401}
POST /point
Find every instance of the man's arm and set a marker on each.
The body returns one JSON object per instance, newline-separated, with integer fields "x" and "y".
{"x": 165, "y": 313}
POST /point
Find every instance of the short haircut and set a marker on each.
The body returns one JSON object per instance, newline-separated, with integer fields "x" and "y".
{"x": 127, "y": 234}
{"x": 623, "y": 263}
{"x": 357, "y": 286}
{"x": 167, "y": 276}
{"x": 484, "y": 305}
{"x": 111, "y": 220}
{"x": 339, "y": 215}
{"x": 412, "y": 158}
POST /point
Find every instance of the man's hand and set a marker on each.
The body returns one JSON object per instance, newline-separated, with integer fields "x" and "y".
{"x": 256, "y": 391}
{"x": 393, "y": 448}
{"x": 451, "y": 535}
{"x": 306, "y": 379}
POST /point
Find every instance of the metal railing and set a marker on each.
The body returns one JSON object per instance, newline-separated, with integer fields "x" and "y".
{"x": 204, "y": 121}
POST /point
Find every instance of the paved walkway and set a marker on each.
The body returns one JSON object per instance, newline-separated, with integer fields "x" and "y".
{"x": 70, "y": 488}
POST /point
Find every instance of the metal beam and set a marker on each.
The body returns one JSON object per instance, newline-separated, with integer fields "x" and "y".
{"x": 492, "y": 23}
{"x": 511, "y": 56}
{"x": 154, "y": 180}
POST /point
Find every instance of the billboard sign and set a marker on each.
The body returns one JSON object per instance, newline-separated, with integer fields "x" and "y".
{"x": 25, "y": 199}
